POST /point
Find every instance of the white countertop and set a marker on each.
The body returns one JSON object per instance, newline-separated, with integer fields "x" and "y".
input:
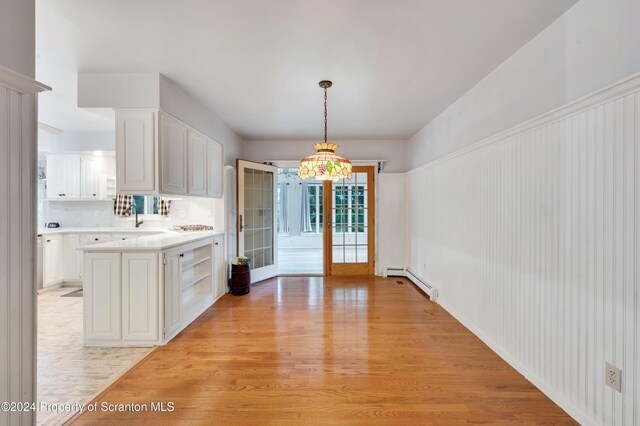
{"x": 165, "y": 240}
{"x": 48, "y": 231}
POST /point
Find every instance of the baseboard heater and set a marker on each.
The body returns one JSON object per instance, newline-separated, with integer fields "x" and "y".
{"x": 431, "y": 291}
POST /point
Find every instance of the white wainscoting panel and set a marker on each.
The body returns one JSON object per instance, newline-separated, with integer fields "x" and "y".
{"x": 392, "y": 204}
{"x": 532, "y": 238}
{"x": 18, "y": 157}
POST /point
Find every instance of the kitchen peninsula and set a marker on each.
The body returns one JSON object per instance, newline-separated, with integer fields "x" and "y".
{"x": 143, "y": 291}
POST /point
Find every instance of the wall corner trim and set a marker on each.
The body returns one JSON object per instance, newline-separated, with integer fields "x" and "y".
{"x": 614, "y": 91}
{"x": 20, "y": 83}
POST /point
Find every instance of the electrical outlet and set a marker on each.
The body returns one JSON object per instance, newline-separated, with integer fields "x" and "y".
{"x": 613, "y": 377}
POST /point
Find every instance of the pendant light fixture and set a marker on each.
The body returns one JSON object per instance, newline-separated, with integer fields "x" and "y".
{"x": 325, "y": 164}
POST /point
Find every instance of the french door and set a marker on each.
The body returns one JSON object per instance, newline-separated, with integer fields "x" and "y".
{"x": 349, "y": 224}
{"x": 256, "y": 218}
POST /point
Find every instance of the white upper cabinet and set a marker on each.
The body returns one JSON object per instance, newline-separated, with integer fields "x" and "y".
{"x": 55, "y": 169}
{"x": 214, "y": 169}
{"x": 71, "y": 176}
{"x": 197, "y": 163}
{"x": 173, "y": 145}
{"x": 90, "y": 177}
{"x": 78, "y": 176}
{"x": 159, "y": 154}
{"x": 63, "y": 177}
{"x": 136, "y": 152}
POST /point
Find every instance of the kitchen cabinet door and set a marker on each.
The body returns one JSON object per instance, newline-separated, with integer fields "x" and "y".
{"x": 172, "y": 292}
{"x": 140, "y": 297}
{"x": 219, "y": 267}
{"x": 90, "y": 177}
{"x": 173, "y": 142}
{"x": 197, "y": 163}
{"x": 214, "y": 169}
{"x": 136, "y": 152}
{"x": 71, "y": 177}
{"x": 102, "y": 297}
{"x": 71, "y": 259}
{"x": 52, "y": 264}
{"x": 55, "y": 170}
{"x": 63, "y": 177}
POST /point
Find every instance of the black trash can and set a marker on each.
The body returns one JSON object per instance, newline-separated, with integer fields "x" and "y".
{"x": 240, "y": 280}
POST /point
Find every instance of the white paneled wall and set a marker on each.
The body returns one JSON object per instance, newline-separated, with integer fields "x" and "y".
{"x": 18, "y": 165}
{"x": 392, "y": 205}
{"x": 533, "y": 239}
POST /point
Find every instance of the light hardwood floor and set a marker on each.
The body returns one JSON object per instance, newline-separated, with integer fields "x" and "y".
{"x": 328, "y": 351}
{"x": 69, "y": 373}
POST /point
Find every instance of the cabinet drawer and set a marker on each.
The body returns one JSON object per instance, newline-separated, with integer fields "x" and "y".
{"x": 89, "y": 239}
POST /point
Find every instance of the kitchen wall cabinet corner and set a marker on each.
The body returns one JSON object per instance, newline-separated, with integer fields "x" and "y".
{"x": 215, "y": 166}
{"x": 197, "y": 166}
{"x": 137, "y": 152}
{"x": 173, "y": 152}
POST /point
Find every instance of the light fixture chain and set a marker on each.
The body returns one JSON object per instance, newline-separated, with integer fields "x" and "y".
{"x": 325, "y": 114}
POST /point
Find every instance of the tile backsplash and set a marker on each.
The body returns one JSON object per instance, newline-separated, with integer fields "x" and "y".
{"x": 89, "y": 214}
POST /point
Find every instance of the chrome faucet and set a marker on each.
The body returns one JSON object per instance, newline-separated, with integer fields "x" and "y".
{"x": 138, "y": 223}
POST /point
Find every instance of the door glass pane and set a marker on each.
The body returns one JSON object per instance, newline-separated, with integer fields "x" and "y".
{"x": 258, "y": 232}
{"x": 349, "y": 225}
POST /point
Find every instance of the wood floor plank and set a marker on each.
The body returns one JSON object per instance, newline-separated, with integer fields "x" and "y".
{"x": 327, "y": 351}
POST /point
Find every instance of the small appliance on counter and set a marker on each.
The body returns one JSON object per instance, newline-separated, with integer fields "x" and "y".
{"x": 192, "y": 228}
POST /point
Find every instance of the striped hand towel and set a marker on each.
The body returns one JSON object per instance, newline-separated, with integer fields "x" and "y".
{"x": 122, "y": 205}
{"x": 164, "y": 206}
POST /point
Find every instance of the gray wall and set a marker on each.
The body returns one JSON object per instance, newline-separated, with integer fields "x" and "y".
{"x": 18, "y": 36}
{"x": 183, "y": 106}
{"x": 394, "y": 151}
{"x": 592, "y": 45}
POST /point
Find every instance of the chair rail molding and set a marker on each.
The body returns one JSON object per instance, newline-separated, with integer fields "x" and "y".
{"x": 18, "y": 170}
{"x": 532, "y": 237}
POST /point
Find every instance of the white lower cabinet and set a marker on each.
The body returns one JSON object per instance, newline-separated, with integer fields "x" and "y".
{"x": 140, "y": 297}
{"x": 220, "y": 267}
{"x": 192, "y": 282}
{"x": 145, "y": 298}
{"x": 52, "y": 267}
{"x": 71, "y": 258}
{"x": 102, "y": 298}
{"x": 172, "y": 271}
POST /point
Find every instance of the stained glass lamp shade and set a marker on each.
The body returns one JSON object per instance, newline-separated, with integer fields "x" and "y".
{"x": 325, "y": 164}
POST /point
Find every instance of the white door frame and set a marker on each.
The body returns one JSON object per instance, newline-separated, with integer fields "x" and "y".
{"x": 269, "y": 271}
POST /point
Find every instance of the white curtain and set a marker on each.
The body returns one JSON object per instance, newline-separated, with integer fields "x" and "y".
{"x": 283, "y": 210}
{"x": 305, "y": 219}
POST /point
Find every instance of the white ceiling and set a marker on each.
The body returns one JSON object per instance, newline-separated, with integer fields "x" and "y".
{"x": 395, "y": 64}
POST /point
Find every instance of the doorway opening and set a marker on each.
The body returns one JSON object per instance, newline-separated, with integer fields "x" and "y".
{"x": 300, "y": 224}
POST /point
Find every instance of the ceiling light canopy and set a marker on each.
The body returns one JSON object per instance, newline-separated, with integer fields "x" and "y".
{"x": 325, "y": 164}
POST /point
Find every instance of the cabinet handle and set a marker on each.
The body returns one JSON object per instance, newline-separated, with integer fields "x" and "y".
{"x": 94, "y": 195}
{"x": 48, "y": 241}
{"x": 95, "y": 239}
{"x": 216, "y": 243}
{"x": 181, "y": 254}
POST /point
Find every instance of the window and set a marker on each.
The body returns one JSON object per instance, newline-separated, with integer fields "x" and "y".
{"x": 314, "y": 209}
{"x": 144, "y": 204}
{"x": 349, "y": 202}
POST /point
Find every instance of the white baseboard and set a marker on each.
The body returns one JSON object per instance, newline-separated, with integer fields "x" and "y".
{"x": 577, "y": 414}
